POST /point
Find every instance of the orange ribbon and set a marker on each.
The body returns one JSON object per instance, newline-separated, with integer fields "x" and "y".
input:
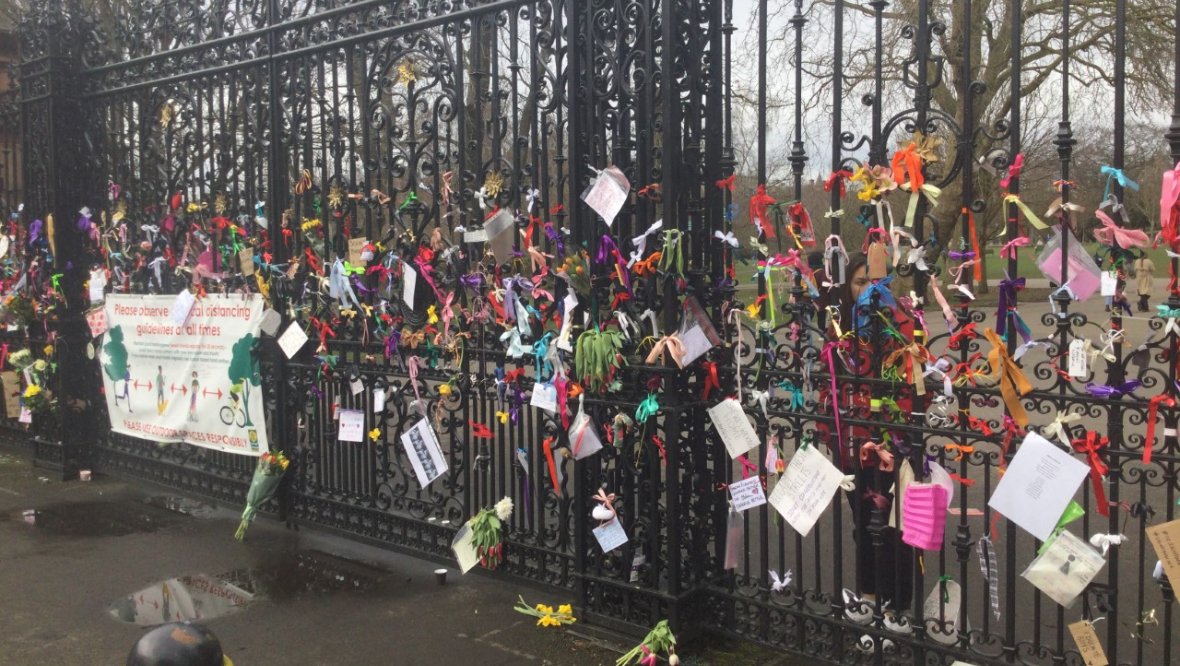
{"x": 961, "y": 448}
{"x": 974, "y": 245}
{"x": 647, "y": 266}
{"x": 548, "y": 446}
{"x": 908, "y": 162}
{"x": 1013, "y": 383}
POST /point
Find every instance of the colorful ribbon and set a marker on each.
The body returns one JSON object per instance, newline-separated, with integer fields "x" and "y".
{"x": 1092, "y": 446}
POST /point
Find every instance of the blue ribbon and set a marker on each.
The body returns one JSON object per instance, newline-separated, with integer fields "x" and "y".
{"x": 885, "y": 299}
{"x": 1116, "y": 174}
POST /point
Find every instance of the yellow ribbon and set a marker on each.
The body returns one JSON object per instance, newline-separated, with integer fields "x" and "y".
{"x": 927, "y": 189}
{"x": 1028, "y": 214}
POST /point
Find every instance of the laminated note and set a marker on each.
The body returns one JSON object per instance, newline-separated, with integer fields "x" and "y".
{"x": 1064, "y": 568}
{"x": 806, "y": 489}
{"x": 924, "y": 513}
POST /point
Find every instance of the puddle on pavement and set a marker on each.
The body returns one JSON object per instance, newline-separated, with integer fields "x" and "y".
{"x": 95, "y": 519}
{"x": 287, "y": 577}
{"x": 183, "y": 505}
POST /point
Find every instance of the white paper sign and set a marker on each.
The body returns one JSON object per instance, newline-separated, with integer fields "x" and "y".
{"x": 1039, "y": 483}
{"x": 356, "y": 386}
{"x": 181, "y": 307}
{"x": 611, "y": 535}
{"x": 747, "y": 493}
{"x": 476, "y": 236}
{"x": 352, "y": 425}
{"x": 98, "y": 282}
{"x": 25, "y": 415}
{"x": 1077, "y": 359}
{"x": 463, "y": 546}
{"x": 806, "y": 489}
{"x": 292, "y": 340}
{"x": 409, "y": 285}
{"x": 1110, "y": 283}
{"x": 545, "y": 397}
{"x": 270, "y": 322}
{"x": 378, "y": 400}
{"x": 607, "y": 194}
{"x": 1065, "y": 568}
{"x": 733, "y": 427}
{"x": 424, "y": 452}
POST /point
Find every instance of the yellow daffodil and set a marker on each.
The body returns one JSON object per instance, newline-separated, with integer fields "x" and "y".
{"x": 32, "y": 390}
{"x": 565, "y": 609}
{"x": 375, "y": 434}
{"x": 49, "y": 350}
{"x": 444, "y": 389}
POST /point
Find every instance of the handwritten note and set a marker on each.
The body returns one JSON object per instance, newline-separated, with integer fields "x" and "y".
{"x": 806, "y": 489}
{"x": 246, "y": 261}
{"x": 1038, "y": 485}
{"x": 270, "y": 322}
{"x": 11, "y": 383}
{"x": 352, "y": 425}
{"x": 1088, "y": 644}
{"x": 607, "y": 193}
{"x": 1165, "y": 539}
{"x": 292, "y": 340}
{"x": 378, "y": 400}
{"x": 98, "y": 282}
{"x": 733, "y": 427}
{"x": 611, "y": 535}
{"x": 545, "y": 397}
{"x": 356, "y": 251}
{"x": 747, "y": 493}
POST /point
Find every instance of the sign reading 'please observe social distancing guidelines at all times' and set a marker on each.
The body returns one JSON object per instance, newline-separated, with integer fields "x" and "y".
{"x": 194, "y": 379}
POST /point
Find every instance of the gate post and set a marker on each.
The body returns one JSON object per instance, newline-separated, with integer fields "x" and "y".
{"x": 56, "y": 165}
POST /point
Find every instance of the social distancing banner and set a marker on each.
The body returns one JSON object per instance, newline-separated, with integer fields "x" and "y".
{"x": 194, "y": 379}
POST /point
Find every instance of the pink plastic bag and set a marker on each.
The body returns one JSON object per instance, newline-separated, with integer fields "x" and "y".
{"x": 924, "y": 515}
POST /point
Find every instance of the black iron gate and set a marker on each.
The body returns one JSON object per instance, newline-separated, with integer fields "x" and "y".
{"x": 391, "y": 120}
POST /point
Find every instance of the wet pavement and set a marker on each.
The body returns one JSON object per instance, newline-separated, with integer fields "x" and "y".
{"x": 100, "y": 562}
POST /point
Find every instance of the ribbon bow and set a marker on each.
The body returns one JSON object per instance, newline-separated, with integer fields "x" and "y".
{"x": 1092, "y": 446}
{"x": 1105, "y": 541}
{"x": 727, "y": 238}
{"x": 1112, "y": 234}
{"x": 1152, "y": 413}
{"x": 914, "y": 356}
{"x": 607, "y": 501}
{"x": 1013, "y": 383}
{"x": 1013, "y": 171}
{"x": 671, "y": 344}
{"x": 758, "y": 205}
{"x": 1116, "y": 174}
{"x": 727, "y": 183}
{"x": 884, "y": 457}
{"x": 1009, "y": 249}
{"x": 1059, "y": 427}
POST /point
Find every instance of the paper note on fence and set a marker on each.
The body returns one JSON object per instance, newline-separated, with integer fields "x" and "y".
{"x": 1039, "y": 483}
{"x": 747, "y": 493}
{"x": 733, "y": 427}
{"x": 1165, "y": 539}
{"x": 1064, "y": 569}
{"x": 424, "y": 452}
{"x": 806, "y": 489}
{"x": 1088, "y": 644}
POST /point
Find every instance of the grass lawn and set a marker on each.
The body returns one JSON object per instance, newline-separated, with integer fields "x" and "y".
{"x": 1026, "y": 261}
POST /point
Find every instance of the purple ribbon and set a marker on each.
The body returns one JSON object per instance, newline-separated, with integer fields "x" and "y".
{"x": 34, "y": 231}
{"x": 961, "y": 256}
{"x": 471, "y": 280}
{"x": 85, "y": 224}
{"x": 1102, "y": 391}
{"x": 606, "y": 248}
{"x": 554, "y": 236}
{"x": 391, "y": 342}
{"x": 1008, "y": 289}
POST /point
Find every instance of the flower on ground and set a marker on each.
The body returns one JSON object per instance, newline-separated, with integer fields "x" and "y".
{"x": 504, "y": 509}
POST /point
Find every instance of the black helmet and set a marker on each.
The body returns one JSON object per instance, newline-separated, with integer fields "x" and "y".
{"x": 178, "y": 644}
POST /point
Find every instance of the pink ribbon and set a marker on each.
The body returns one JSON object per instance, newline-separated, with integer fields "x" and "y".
{"x": 883, "y": 454}
{"x": 747, "y": 466}
{"x": 1111, "y": 233}
{"x": 1013, "y": 170}
{"x": 1169, "y": 194}
{"x": 1009, "y": 249}
{"x": 415, "y": 363}
{"x": 952, "y": 321}
{"x": 828, "y": 355}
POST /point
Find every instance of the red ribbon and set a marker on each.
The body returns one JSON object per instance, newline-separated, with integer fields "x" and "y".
{"x": 479, "y": 430}
{"x": 727, "y": 183}
{"x": 711, "y": 380}
{"x": 758, "y": 216}
{"x": 975, "y": 245}
{"x": 1152, "y": 412}
{"x": 1092, "y": 446}
{"x": 660, "y": 445}
{"x": 837, "y": 177}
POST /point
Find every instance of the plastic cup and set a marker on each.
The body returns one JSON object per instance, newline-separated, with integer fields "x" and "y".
{"x": 440, "y": 575}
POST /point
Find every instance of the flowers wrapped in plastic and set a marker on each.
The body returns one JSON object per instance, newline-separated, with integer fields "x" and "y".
{"x": 267, "y": 476}
{"x": 487, "y": 533}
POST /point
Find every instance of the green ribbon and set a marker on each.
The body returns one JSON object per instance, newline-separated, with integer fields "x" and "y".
{"x": 349, "y": 269}
{"x": 1071, "y": 513}
{"x": 411, "y": 198}
{"x": 672, "y": 238}
{"x": 942, "y": 581}
{"x": 647, "y": 409}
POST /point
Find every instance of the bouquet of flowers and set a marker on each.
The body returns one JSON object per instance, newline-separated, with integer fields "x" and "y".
{"x": 267, "y": 475}
{"x": 546, "y": 616}
{"x": 487, "y": 533}
{"x": 647, "y": 653}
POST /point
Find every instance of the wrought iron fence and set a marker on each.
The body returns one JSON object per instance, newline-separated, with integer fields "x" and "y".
{"x": 390, "y": 120}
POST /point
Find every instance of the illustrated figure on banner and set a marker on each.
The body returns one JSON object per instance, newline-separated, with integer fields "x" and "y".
{"x": 192, "y": 399}
{"x": 161, "y": 401}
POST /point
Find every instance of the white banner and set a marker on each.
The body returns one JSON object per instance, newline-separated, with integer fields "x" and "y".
{"x": 196, "y": 383}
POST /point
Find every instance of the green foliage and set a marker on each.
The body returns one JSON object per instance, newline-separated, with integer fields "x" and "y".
{"x": 597, "y": 356}
{"x": 243, "y": 371}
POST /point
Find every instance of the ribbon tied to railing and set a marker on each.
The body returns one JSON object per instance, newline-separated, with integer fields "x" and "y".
{"x": 758, "y": 211}
{"x": 1112, "y": 234}
{"x": 1013, "y": 171}
{"x": 1091, "y": 445}
{"x": 878, "y": 455}
{"x": 1113, "y": 174}
{"x": 1013, "y": 383}
{"x": 608, "y": 502}
{"x": 1152, "y": 414}
{"x": 670, "y": 344}
{"x": 1059, "y": 428}
{"x": 911, "y": 360}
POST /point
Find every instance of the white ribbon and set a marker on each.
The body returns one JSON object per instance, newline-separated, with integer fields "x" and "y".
{"x": 482, "y": 195}
{"x": 512, "y": 337}
{"x": 735, "y": 316}
{"x": 655, "y": 327}
{"x": 848, "y": 483}
{"x": 532, "y": 196}
{"x": 1026, "y": 347}
{"x": 339, "y": 286}
{"x": 1058, "y": 427}
{"x": 625, "y": 324}
{"x": 150, "y": 230}
{"x": 156, "y": 265}
{"x": 940, "y": 368}
{"x": 640, "y": 241}
{"x": 780, "y": 584}
{"x": 727, "y": 237}
{"x": 1103, "y": 542}
{"x": 760, "y": 397}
